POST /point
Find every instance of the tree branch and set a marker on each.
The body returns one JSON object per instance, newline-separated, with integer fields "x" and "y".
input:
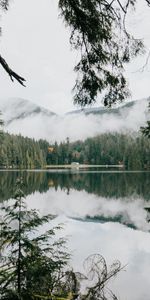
{"x": 148, "y": 2}
{"x": 10, "y": 72}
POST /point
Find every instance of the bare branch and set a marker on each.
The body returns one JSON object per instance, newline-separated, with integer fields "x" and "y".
{"x": 10, "y": 72}
{"x": 148, "y": 2}
{"x": 142, "y": 69}
{"x": 121, "y": 6}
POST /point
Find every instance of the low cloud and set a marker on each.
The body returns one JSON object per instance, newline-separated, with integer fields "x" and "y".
{"x": 78, "y": 125}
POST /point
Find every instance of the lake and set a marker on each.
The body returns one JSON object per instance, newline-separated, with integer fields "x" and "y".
{"x": 104, "y": 212}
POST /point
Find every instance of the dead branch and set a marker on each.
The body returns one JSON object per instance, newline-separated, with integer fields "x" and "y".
{"x": 148, "y": 2}
{"x": 10, "y": 72}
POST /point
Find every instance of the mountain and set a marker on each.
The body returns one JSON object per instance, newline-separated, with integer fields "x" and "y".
{"x": 123, "y": 109}
{"x": 17, "y": 108}
{"x": 24, "y": 117}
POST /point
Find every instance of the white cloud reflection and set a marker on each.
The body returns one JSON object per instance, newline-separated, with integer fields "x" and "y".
{"x": 112, "y": 240}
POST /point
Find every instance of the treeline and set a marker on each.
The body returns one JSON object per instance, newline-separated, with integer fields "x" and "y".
{"x": 22, "y": 152}
{"x": 106, "y": 149}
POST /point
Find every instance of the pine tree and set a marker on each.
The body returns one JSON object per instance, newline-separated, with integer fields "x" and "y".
{"x": 31, "y": 263}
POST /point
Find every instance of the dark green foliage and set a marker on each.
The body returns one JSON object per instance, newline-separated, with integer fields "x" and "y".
{"x": 146, "y": 130}
{"x": 107, "y": 149}
{"x": 20, "y": 152}
{"x": 1, "y": 121}
{"x": 30, "y": 262}
{"x": 98, "y": 31}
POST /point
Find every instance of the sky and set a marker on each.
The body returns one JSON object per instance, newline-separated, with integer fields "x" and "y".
{"x": 35, "y": 43}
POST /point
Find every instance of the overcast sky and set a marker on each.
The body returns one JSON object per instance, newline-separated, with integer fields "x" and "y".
{"x": 35, "y": 43}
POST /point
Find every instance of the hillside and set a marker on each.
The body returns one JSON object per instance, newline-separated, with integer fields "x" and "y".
{"x": 24, "y": 117}
{"x": 17, "y": 109}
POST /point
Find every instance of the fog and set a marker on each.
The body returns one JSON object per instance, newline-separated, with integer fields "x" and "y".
{"x": 76, "y": 125}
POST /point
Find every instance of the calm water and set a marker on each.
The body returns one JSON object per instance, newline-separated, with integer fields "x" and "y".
{"x": 102, "y": 212}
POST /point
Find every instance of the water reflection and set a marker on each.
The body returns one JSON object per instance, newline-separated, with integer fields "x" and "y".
{"x": 104, "y": 184}
{"x": 115, "y": 241}
{"x": 85, "y": 207}
{"x": 112, "y": 240}
{"x": 100, "y": 212}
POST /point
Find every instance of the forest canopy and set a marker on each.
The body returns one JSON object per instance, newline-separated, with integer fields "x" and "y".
{"x": 107, "y": 149}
